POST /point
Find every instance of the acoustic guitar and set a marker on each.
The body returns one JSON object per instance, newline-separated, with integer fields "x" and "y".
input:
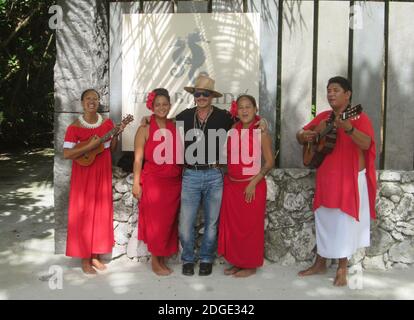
{"x": 88, "y": 158}
{"x": 315, "y": 152}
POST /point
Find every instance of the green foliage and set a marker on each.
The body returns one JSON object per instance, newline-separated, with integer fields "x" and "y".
{"x": 27, "y": 58}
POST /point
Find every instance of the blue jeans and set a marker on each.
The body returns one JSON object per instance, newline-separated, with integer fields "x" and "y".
{"x": 206, "y": 185}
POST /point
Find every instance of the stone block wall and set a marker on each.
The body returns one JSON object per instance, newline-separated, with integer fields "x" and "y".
{"x": 289, "y": 225}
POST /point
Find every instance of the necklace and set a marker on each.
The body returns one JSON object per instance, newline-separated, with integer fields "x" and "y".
{"x": 205, "y": 115}
{"x": 90, "y": 125}
{"x": 201, "y": 126}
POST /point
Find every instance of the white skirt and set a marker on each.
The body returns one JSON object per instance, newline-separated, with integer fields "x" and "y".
{"x": 338, "y": 235}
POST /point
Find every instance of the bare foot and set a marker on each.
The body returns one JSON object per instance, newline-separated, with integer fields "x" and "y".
{"x": 231, "y": 270}
{"x": 340, "y": 279}
{"x": 157, "y": 268}
{"x": 243, "y": 273}
{"x": 315, "y": 269}
{"x": 163, "y": 264}
{"x": 98, "y": 264}
{"x": 319, "y": 267}
{"x": 87, "y": 267}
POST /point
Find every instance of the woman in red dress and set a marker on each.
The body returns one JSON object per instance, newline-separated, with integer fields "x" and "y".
{"x": 90, "y": 218}
{"x": 242, "y": 214}
{"x": 157, "y": 183}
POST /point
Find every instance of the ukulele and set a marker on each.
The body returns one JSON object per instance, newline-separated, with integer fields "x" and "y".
{"x": 314, "y": 152}
{"x": 89, "y": 157}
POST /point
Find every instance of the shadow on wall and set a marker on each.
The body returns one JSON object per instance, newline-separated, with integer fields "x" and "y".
{"x": 364, "y": 75}
{"x": 398, "y": 133}
{"x": 180, "y": 71}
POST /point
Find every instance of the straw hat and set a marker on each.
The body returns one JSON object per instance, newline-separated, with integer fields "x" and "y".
{"x": 203, "y": 82}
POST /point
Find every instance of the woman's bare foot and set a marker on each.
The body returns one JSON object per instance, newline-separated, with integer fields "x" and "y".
{"x": 231, "y": 270}
{"x": 340, "y": 279}
{"x": 243, "y": 273}
{"x": 157, "y": 267}
{"x": 87, "y": 267}
{"x": 97, "y": 263}
{"x": 319, "y": 267}
{"x": 164, "y": 265}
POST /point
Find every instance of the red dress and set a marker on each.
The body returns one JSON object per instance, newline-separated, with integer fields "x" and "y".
{"x": 337, "y": 176}
{"x": 90, "y": 220}
{"x": 161, "y": 193}
{"x": 241, "y": 226}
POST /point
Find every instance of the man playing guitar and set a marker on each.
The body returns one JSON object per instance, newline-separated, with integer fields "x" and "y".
{"x": 345, "y": 183}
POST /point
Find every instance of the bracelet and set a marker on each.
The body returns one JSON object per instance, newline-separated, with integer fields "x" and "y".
{"x": 350, "y": 131}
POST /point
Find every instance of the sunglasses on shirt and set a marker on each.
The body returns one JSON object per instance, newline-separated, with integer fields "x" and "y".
{"x": 205, "y": 94}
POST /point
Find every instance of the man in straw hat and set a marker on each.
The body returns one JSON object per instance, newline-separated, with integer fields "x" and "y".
{"x": 202, "y": 176}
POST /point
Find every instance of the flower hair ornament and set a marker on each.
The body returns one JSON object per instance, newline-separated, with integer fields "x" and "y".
{"x": 233, "y": 109}
{"x": 150, "y": 100}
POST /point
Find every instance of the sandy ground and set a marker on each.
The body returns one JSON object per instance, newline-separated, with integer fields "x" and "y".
{"x": 29, "y": 269}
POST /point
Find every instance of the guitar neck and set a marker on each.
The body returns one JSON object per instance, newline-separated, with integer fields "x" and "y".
{"x": 109, "y": 134}
{"x": 115, "y": 130}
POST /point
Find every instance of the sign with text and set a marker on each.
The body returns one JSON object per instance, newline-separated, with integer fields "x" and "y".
{"x": 171, "y": 50}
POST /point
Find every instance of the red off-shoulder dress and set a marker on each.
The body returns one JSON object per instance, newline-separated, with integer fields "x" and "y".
{"x": 90, "y": 214}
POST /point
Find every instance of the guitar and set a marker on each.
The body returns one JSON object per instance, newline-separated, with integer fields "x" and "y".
{"x": 314, "y": 152}
{"x": 88, "y": 158}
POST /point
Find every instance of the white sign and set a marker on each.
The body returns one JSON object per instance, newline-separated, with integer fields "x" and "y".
{"x": 171, "y": 50}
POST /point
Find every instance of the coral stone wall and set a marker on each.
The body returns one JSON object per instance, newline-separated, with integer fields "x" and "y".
{"x": 289, "y": 225}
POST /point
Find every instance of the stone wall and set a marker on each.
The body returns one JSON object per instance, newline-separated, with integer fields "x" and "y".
{"x": 289, "y": 225}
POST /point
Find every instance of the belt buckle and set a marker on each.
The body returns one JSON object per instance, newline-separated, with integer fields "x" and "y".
{"x": 203, "y": 166}
{"x": 198, "y": 167}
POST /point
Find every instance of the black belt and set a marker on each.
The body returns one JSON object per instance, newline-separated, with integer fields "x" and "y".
{"x": 203, "y": 166}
